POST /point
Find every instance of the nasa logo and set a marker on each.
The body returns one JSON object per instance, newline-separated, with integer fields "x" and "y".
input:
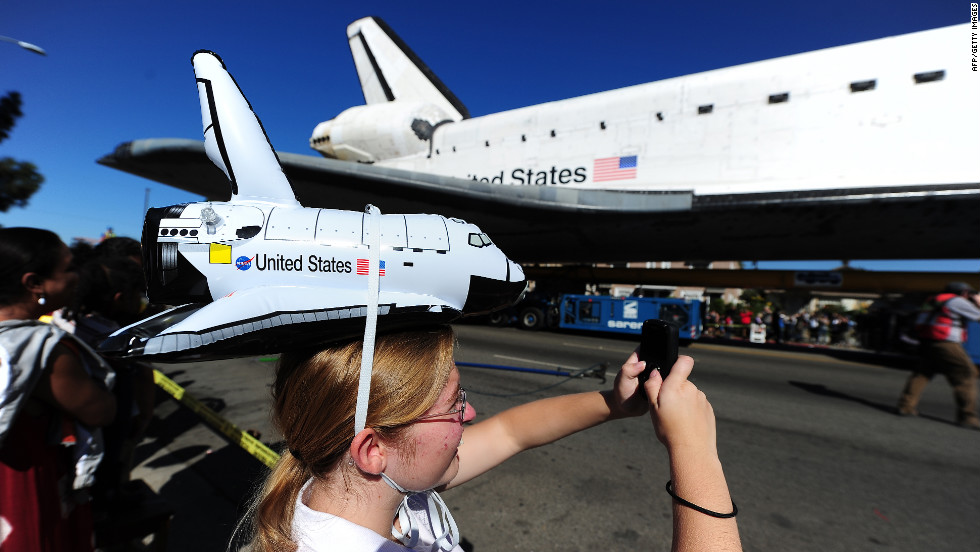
{"x": 243, "y": 263}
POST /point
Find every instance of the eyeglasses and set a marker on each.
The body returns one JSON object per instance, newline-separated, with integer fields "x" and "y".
{"x": 460, "y": 407}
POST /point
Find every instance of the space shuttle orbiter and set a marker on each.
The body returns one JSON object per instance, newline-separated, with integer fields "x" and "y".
{"x": 822, "y": 155}
{"x": 260, "y": 273}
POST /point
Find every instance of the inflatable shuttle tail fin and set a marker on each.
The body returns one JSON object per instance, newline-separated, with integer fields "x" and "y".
{"x": 389, "y": 70}
{"x": 234, "y": 138}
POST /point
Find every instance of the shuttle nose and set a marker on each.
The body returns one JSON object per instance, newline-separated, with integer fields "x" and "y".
{"x": 489, "y": 294}
{"x": 514, "y": 272}
{"x": 320, "y": 139}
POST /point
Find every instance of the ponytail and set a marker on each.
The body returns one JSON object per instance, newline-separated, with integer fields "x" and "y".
{"x": 272, "y": 510}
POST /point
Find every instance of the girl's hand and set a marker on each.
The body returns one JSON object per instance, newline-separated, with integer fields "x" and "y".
{"x": 627, "y": 397}
{"x": 682, "y": 416}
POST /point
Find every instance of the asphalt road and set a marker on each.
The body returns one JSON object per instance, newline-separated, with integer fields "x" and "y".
{"x": 814, "y": 456}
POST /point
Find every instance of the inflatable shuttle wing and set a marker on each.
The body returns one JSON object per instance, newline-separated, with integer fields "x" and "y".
{"x": 234, "y": 138}
{"x": 261, "y": 274}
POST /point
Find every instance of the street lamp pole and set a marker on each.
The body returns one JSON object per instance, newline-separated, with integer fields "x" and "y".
{"x": 25, "y": 45}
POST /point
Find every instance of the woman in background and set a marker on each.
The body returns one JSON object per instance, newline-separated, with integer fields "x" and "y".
{"x": 109, "y": 296}
{"x": 50, "y": 385}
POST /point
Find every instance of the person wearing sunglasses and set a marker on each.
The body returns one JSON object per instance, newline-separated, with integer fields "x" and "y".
{"x": 376, "y": 489}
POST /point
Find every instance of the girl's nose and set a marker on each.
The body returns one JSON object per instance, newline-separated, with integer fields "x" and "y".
{"x": 470, "y": 413}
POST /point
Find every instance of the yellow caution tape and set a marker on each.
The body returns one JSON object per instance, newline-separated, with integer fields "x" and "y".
{"x": 251, "y": 445}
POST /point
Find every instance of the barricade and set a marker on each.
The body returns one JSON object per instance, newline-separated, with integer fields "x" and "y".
{"x": 236, "y": 436}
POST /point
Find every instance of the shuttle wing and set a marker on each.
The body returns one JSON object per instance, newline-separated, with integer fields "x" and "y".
{"x": 554, "y": 224}
{"x": 234, "y": 136}
{"x": 181, "y": 163}
{"x": 269, "y": 319}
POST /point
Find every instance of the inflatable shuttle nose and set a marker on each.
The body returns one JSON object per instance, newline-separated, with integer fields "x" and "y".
{"x": 489, "y": 294}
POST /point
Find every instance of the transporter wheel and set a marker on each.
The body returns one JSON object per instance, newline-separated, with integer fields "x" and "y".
{"x": 532, "y": 319}
{"x": 498, "y": 319}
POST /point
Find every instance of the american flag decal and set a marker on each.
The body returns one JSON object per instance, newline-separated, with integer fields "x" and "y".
{"x": 363, "y": 267}
{"x": 614, "y": 168}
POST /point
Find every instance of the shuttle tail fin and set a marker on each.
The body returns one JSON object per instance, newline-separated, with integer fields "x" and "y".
{"x": 234, "y": 138}
{"x": 388, "y": 69}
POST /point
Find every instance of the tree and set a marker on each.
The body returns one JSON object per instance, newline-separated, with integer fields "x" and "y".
{"x": 756, "y": 301}
{"x": 9, "y": 111}
{"x": 718, "y": 305}
{"x": 18, "y": 179}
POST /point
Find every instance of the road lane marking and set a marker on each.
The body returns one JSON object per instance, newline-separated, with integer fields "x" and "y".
{"x": 598, "y": 347}
{"x": 815, "y": 356}
{"x": 524, "y": 360}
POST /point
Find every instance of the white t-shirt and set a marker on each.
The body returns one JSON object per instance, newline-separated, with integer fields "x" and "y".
{"x": 316, "y": 531}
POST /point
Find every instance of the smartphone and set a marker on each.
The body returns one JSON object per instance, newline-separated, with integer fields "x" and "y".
{"x": 658, "y": 347}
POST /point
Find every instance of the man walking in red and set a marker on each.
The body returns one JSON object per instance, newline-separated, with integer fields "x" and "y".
{"x": 941, "y": 329}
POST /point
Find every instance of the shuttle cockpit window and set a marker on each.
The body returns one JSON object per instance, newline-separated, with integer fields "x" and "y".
{"x": 480, "y": 240}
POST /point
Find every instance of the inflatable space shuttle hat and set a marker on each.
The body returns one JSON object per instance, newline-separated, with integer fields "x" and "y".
{"x": 261, "y": 274}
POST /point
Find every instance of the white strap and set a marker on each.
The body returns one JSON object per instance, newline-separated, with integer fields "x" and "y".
{"x": 441, "y": 521}
{"x": 373, "y": 214}
{"x": 443, "y": 524}
{"x": 408, "y": 534}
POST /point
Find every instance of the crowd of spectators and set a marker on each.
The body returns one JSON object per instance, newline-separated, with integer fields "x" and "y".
{"x": 822, "y": 327}
{"x": 69, "y": 419}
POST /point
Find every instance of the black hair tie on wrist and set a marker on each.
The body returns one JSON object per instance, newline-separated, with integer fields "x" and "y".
{"x": 705, "y": 511}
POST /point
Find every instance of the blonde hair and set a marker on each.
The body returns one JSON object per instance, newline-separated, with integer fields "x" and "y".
{"x": 314, "y": 397}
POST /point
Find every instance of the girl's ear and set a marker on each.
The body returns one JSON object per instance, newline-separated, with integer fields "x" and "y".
{"x": 368, "y": 452}
{"x": 32, "y": 283}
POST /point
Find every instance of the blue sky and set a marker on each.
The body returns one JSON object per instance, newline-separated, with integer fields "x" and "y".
{"x": 120, "y": 70}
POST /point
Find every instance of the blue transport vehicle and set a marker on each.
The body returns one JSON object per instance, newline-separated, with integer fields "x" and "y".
{"x": 626, "y": 314}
